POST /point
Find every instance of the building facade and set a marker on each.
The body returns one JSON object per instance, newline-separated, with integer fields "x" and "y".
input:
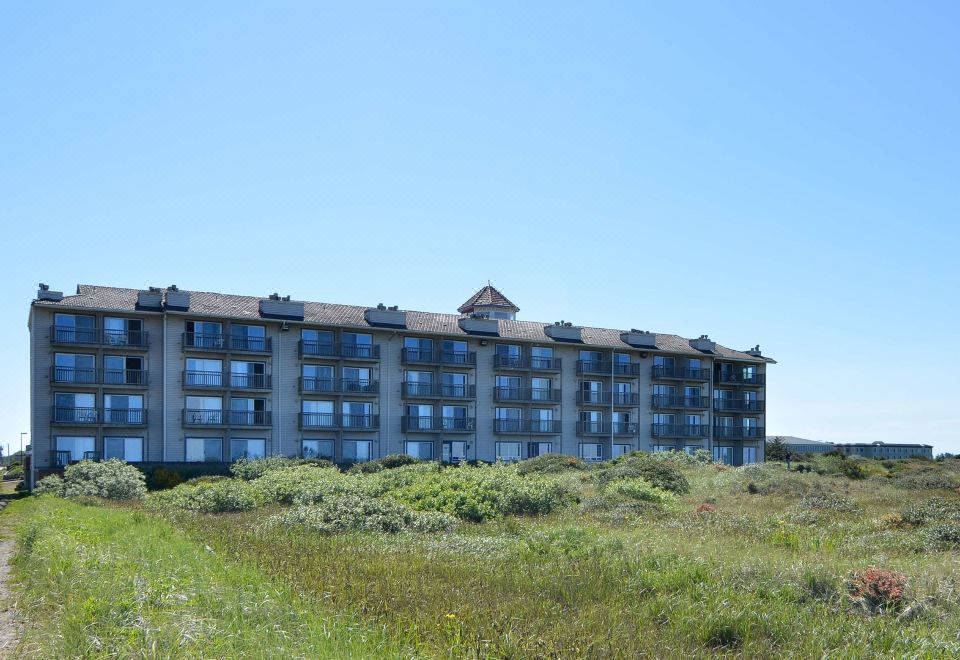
{"x": 170, "y": 376}
{"x": 886, "y": 450}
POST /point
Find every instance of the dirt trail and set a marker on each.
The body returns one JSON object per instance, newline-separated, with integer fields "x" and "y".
{"x": 9, "y": 625}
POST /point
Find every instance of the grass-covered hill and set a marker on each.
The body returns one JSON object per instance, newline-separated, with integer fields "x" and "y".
{"x": 651, "y": 555}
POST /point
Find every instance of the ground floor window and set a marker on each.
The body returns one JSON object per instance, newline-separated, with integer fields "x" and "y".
{"x": 204, "y": 450}
{"x": 454, "y": 451}
{"x": 126, "y": 449}
{"x": 620, "y": 450}
{"x": 508, "y": 451}
{"x": 317, "y": 449}
{"x": 749, "y": 455}
{"x": 249, "y": 448}
{"x": 692, "y": 449}
{"x": 657, "y": 449}
{"x": 539, "y": 448}
{"x": 591, "y": 452}
{"x": 356, "y": 451}
{"x": 421, "y": 450}
{"x": 723, "y": 455}
{"x": 73, "y": 448}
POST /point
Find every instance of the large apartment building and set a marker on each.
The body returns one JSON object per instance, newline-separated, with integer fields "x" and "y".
{"x": 165, "y": 375}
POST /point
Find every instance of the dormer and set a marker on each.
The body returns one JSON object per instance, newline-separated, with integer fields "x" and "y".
{"x": 489, "y": 302}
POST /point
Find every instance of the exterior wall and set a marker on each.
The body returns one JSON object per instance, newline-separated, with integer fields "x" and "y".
{"x": 886, "y": 451}
{"x": 165, "y": 396}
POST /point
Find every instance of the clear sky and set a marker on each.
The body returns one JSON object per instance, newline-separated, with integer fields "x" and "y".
{"x": 773, "y": 173}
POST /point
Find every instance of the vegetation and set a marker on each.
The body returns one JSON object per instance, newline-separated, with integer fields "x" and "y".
{"x": 112, "y": 480}
{"x": 649, "y": 555}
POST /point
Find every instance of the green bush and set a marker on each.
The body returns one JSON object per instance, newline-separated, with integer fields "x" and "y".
{"x": 828, "y": 502}
{"x": 250, "y": 469}
{"x": 221, "y": 496}
{"x": 160, "y": 477}
{"x": 13, "y": 471}
{"x": 112, "y": 480}
{"x": 306, "y": 484}
{"x": 390, "y": 462}
{"x": 942, "y": 536}
{"x": 638, "y": 489}
{"x": 933, "y": 478}
{"x": 852, "y": 470}
{"x": 343, "y": 513}
{"x": 937, "y": 509}
{"x": 660, "y": 472}
{"x": 550, "y": 464}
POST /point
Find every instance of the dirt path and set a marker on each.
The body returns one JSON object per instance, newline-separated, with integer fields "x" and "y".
{"x": 9, "y": 626}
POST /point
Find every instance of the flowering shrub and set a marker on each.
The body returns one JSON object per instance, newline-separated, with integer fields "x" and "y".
{"x": 341, "y": 513}
{"x": 942, "y": 536}
{"x": 386, "y": 463}
{"x": 706, "y": 508}
{"x": 112, "y": 480}
{"x": 658, "y": 472}
{"x": 250, "y": 469}
{"x": 877, "y": 589}
{"x": 937, "y": 509}
{"x": 221, "y": 496}
{"x": 306, "y": 484}
{"x": 550, "y": 464}
{"x": 638, "y": 489}
{"x": 828, "y": 502}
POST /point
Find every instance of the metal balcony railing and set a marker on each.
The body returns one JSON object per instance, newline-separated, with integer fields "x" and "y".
{"x": 339, "y": 421}
{"x": 595, "y": 398}
{"x": 70, "y": 415}
{"x": 249, "y": 417}
{"x": 527, "y": 394}
{"x": 755, "y": 405}
{"x": 680, "y": 373}
{"x": 311, "y": 348}
{"x": 740, "y": 378}
{"x": 423, "y": 356}
{"x": 64, "y": 457}
{"x": 339, "y": 386}
{"x": 137, "y": 377}
{"x": 738, "y": 432}
{"x": 413, "y": 424}
{"x": 212, "y": 379}
{"x": 535, "y": 363}
{"x": 242, "y": 381}
{"x": 220, "y": 342}
{"x": 74, "y": 375}
{"x": 534, "y": 426}
{"x": 125, "y": 416}
{"x": 90, "y": 376}
{"x": 667, "y": 401}
{"x": 606, "y": 428}
{"x": 680, "y": 430}
{"x": 438, "y": 391}
{"x": 61, "y": 334}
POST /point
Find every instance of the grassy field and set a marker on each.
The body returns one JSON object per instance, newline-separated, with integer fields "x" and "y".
{"x": 744, "y": 562}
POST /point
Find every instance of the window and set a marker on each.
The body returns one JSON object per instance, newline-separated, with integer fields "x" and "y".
{"x": 723, "y": 455}
{"x": 418, "y": 383}
{"x": 75, "y": 407}
{"x": 621, "y": 450}
{"x": 317, "y": 413}
{"x": 749, "y": 455}
{"x": 123, "y": 409}
{"x": 693, "y": 424}
{"x": 317, "y": 378}
{"x": 591, "y": 391}
{"x": 421, "y": 450}
{"x": 418, "y": 349}
{"x": 691, "y": 396}
{"x": 75, "y": 329}
{"x": 126, "y": 449}
{"x": 356, "y": 379}
{"x": 204, "y": 410}
{"x": 357, "y": 414}
{"x": 419, "y": 417}
{"x": 541, "y": 389}
{"x": 204, "y": 334}
{"x": 539, "y": 448}
{"x": 591, "y": 421}
{"x": 248, "y": 375}
{"x": 454, "y": 384}
{"x": 508, "y": 452}
{"x": 541, "y": 357}
{"x": 357, "y": 345}
{"x": 659, "y": 449}
{"x": 455, "y": 352}
{"x": 73, "y": 448}
{"x": 541, "y": 420}
{"x": 248, "y": 412}
{"x": 317, "y": 449}
{"x": 124, "y": 370}
{"x": 592, "y": 358}
{"x": 621, "y": 422}
{"x": 455, "y": 418}
{"x": 249, "y": 448}
{"x": 356, "y": 451}
{"x": 204, "y": 373}
{"x": 591, "y": 452}
{"x": 204, "y": 450}
{"x": 316, "y": 342}
{"x": 508, "y": 419}
{"x": 454, "y": 451}
{"x": 692, "y": 449}
{"x": 74, "y": 368}
{"x": 750, "y": 427}
{"x": 508, "y": 350}
{"x": 664, "y": 395}
{"x": 621, "y": 363}
{"x": 248, "y": 337}
{"x": 508, "y": 388}
{"x": 123, "y": 332}
{"x": 663, "y": 424}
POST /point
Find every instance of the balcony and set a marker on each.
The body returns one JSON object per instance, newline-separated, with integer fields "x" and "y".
{"x": 205, "y": 341}
{"x": 241, "y": 418}
{"x": 739, "y": 405}
{"x": 679, "y": 430}
{"x": 527, "y": 426}
{"x": 62, "y": 458}
{"x": 204, "y": 380}
{"x": 310, "y": 348}
{"x": 530, "y": 363}
{"x": 622, "y": 399}
{"x": 125, "y": 416}
{"x": 740, "y": 378}
{"x": 86, "y": 377}
{"x": 97, "y": 337}
{"x": 339, "y": 421}
{"x": 75, "y": 416}
{"x": 412, "y": 424}
{"x": 606, "y": 428}
{"x": 666, "y": 372}
{"x": 448, "y": 358}
{"x": 250, "y": 381}
{"x": 607, "y": 367}
{"x": 527, "y": 394}
{"x": 671, "y": 401}
{"x": 438, "y": 391}
{"x": 351, "y": 386}
{"x": 738, "y": 432}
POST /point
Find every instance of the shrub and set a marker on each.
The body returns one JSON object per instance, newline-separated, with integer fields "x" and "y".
{"x": 828, "y": 502}
{"x": 927, "y": 479}
{"x": 942, "y": 536}
{"x": 550, "y": 464}
{"x": 112, "y": 480}
{"x": 389, "y": 462}
{"x": 852, "y": 470}
{"x": 306, "y": 484}
{"x": 656, "y": 471}
{"x": 13, "y": 471}
{"x": 638, "y": 489}
{"x": 250, "y": 469}
{"x": 937, "y": 509}
{"x": 162, "y": 477}
{"x": 877, "y": 589}
{"x": 221, "y": 496}
{"x": 343, "y": 513}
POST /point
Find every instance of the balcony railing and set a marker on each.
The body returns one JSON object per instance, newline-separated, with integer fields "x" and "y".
{"x": 755, "y": 405}
{"x": 311, "y": 348}
{"x": 61, "y": 458}
{"x": 680, "y": 430}
{"x": 421, "y": 356}
{"x": 438, "y": 391}
{"x": 339, "y": 421}
{"x": 194, "y": 417}
{"x": 339, "y": 386}
{"x": 69, "y": 415}
{"x": 211, "y": 379}
{"x": 414, "y": 424}
{"x": 606, "y": 367}
{"x": 667, "y": 401}
{"x": 136, "y": 377}
{"x": 74, "y": 375}
{"x": 206, "y": 341}
{"x": 535, "y": 426}
{"x": 740, "y": 378}
{"x": 606, "y": 428}
{"x": 249, "y": 417}
{"x": 90, "y": 376}
{"x": 527, "y": 394}
{"x": 525, "y": 363}
{"x": 594, "y": 398}
{"x": 681, "y": 373}
{"x": 125, "y": 416}
{"x": 62, "y": 334}
{"x": 738, "y": 432}
{"x": 240, "y": 381}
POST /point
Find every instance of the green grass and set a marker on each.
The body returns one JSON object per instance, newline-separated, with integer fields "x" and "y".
{"x": 763, "y": 575}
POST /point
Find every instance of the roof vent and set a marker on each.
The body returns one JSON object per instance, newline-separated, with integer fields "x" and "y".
{"x": 381, "y": 306}
{"x": 639, "y": 338}
{"x": 564, "y": 331}
{"x": 44, "y": 293}
{"x": 755, "y": 351}
{"x": 276, "y": 307}
{"x": 274, "y": 296}
{"x": 703, "y": 343}
{"x": 172, "y": 287}
{"x": 390, "y": 317}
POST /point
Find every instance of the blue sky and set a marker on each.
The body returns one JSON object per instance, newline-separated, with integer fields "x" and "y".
{"x": 783, "y": 174}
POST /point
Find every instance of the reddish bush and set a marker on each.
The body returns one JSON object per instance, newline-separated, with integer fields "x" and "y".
{"x": 706, "y": 508}
{"x": 877, "y": 589}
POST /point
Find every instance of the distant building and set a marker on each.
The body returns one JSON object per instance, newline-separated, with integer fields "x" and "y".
{"x": 886, "y": 450}
{"x": 803, "y": 445}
